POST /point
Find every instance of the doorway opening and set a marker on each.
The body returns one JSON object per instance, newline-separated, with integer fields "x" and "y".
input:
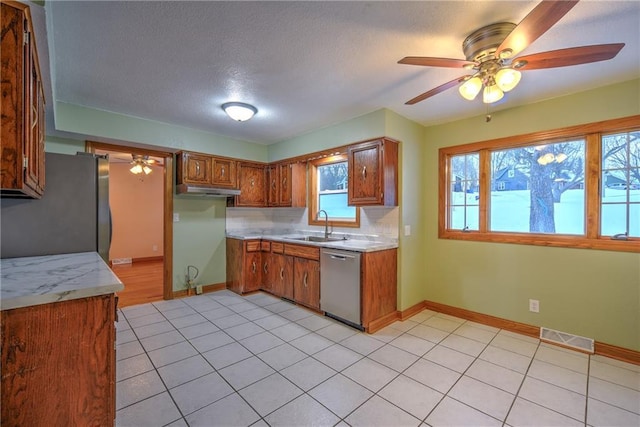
{"x": 141, "y": 201}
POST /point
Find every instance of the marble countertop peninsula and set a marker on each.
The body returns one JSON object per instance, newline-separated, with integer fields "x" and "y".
{"x": 37, "y": 280}
{"x": 354, "y": 242}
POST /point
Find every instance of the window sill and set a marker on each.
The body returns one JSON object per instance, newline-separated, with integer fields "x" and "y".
{"x": 558, "y": 241}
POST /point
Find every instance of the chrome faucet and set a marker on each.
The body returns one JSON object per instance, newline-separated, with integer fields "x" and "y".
{"x": 326, "y": 222}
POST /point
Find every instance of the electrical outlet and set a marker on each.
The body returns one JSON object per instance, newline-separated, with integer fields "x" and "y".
{"x": 155, "y": 248}
{"x": 407, "y": 230}
{"x": 176, "y": 217}
{"x": 198, "y": 289}
{"x": 534, "y": 305}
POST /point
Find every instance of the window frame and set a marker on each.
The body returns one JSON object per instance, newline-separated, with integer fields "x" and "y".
{"x": 591, "y": 133}
{"x": 313, "y": 192}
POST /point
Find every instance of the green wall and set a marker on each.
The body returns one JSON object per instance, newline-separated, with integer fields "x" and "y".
{"x": 360, "y": 128}
{"x": 55, "y": 144}
{"x": 411, "y": 136}
{"x": 199, "y": 240}
{"x": 199, "y": 236}
{"x": 585, "y": 292}
{"x": 121, "y": 128}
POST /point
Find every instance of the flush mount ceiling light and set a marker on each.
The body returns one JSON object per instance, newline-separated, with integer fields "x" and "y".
{"x": 239, "y": 111}
{"x": 140, "y": 164}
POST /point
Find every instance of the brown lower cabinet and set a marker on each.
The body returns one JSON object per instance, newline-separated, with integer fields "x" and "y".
{"x": 244, "y": 265}
{"x": 306, "y": 282}
{"x": 281, "y": 275}
{"x": 293, "y": 272}
{"x": 59, "y": 363}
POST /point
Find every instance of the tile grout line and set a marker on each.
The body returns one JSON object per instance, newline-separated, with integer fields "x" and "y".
{"x": 308, "y": 332}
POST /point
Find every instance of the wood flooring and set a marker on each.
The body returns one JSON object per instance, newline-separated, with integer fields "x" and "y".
{"x": 142, "y": 282}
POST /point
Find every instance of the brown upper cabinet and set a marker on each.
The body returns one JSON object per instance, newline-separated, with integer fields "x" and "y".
{"x": 224, "y": 173}
{"x": 287, "y": 185}
{"x": 23, "y": 122}
{"x": 373, "y": 173}
{"x": 204, "y": 169}
{"x": 251, "y": 177}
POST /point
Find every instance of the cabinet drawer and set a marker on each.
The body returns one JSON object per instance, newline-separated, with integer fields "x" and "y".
{"x": 277, "y": 247}
{"x": 302, "y": 251}
{"x": 265, "y": 245}
{"x": 252, "y": 246}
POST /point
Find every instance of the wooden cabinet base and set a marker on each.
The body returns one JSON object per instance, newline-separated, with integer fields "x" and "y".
{"x": 58, "y": 364}
{"x": 379, "y": 287}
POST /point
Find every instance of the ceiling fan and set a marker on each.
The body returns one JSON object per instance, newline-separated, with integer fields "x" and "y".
{"x": 141, "y": 164}
{"x": 489, "y": 52}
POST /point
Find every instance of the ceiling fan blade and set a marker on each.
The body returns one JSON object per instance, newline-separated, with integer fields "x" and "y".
{"x": 435, "y": 62}
{"x": 535, "y": 24}
{"x": 436, "y": 90}
{"x": 567, "y": 57}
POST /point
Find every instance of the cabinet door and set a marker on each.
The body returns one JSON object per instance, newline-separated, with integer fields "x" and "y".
{"x": 273, "y": 180}
{"x": 234, "y": 264}
{"x": 282, "y": 271}
{"x": 58, "y": 363}
{"x": 365, "y": 174}
{"x": 306, "y": 282}
{"x": 22, "y": 106}
{"x": 41, "y": 138}
{"x": 196, "y": 168}
{"x": 252, "y": 271}
{"x": 252, "y": 186}
{"x": 284, "y": 198}
{"x": 224, "y": 173}
{"x": 32, "y": 117}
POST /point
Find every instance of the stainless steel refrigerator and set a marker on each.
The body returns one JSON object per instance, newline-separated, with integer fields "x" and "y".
{"x": 72, "y": 215}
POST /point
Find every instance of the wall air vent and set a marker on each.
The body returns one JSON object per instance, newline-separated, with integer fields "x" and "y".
{"x": 567, "y": 340}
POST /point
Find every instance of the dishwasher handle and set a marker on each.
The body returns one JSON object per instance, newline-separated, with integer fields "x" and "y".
{"x": 339, "y": 256}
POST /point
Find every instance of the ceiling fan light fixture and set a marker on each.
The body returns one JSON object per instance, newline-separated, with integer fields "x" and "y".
{"x": 507, "y": 79}
{"x": 470, "y": 88}
{"x": 239, "y": 111}
{"x": 140, "y": 164}
{"x": 492, "y": 94}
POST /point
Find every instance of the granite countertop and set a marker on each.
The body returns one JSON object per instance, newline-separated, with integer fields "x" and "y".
{"x": 353, "y": 243}
{"x": 37, "y": 280}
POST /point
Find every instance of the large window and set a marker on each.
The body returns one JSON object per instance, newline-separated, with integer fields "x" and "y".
{"x": 575, "y": 187}
{"x": 328, "y": 190}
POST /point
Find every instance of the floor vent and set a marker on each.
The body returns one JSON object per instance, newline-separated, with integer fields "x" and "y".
{"x": 567, "y": 340}
{"x": 118, "y": 261}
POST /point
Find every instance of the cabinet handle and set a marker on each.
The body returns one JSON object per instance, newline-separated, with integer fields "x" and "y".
{"x": 252, "y": 182}
{"x": 197, "y": 168}
{"x": 34, "y": 121}
{"x": 253, "y": 266}
{"x": 364, "y": 172}
{"x": 273, "y": 184}
{"x": 284, "y": 182}
{"x": 304, "y": 280}
{"x": 281, "y": 273}
{"x": 222, "y": 170}
{"x": 265, "y": 267}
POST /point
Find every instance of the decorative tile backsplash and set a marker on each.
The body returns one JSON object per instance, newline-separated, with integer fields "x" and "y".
{"x": 379, "y": 222}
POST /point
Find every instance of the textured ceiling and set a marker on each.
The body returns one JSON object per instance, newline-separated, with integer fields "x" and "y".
{"x": 305, "y": 65}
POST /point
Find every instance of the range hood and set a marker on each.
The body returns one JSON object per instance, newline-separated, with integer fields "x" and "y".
{"x": 204, "y": 190}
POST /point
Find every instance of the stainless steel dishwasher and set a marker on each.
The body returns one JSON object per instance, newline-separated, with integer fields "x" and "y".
{"x": 340, "y": 286}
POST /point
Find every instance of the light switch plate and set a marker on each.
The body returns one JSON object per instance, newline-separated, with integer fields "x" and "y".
{"x": 407, "y": 230}
{"x": 176, "y": 217}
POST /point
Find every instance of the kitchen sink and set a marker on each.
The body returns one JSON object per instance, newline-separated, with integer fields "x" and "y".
{"x": 316, "y": 239}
